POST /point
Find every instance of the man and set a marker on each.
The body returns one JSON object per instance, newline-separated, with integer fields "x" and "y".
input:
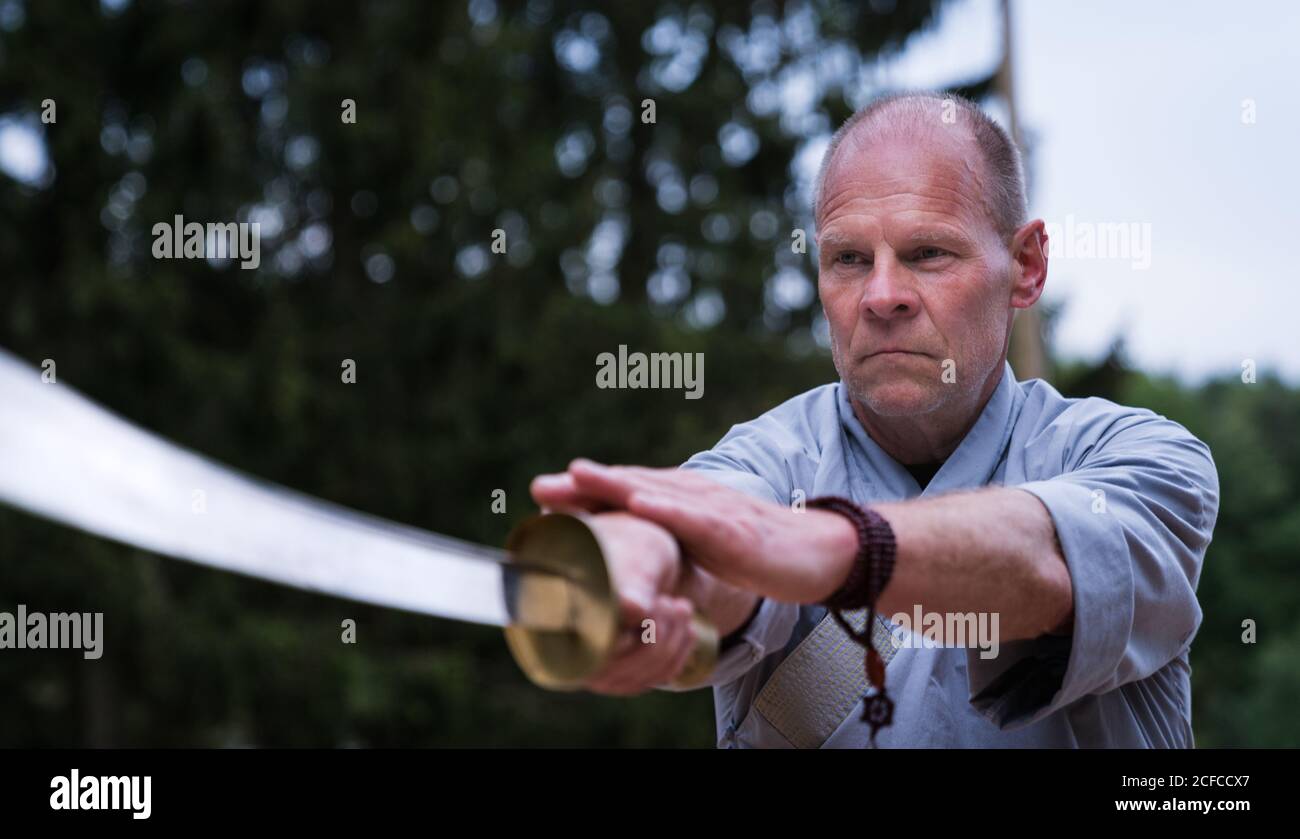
{"x": 1077, "y": 525}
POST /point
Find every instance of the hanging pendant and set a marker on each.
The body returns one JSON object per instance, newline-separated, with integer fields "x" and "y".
{"x": 877, "y": 708}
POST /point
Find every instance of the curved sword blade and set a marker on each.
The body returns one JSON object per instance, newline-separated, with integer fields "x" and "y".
{"x": 67, "y": 459}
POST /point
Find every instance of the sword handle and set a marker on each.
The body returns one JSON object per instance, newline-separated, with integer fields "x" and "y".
{"x": 563, "y": 659}
{"x": 704, "y": 656}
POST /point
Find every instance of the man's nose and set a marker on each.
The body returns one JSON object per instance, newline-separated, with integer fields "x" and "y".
{"x": 889, "y": 292}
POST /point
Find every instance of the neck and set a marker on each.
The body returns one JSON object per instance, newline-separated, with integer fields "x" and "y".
{"x": 929, "y": 437}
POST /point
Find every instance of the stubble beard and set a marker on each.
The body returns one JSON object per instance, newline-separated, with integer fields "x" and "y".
{"x": 902, "y": 397}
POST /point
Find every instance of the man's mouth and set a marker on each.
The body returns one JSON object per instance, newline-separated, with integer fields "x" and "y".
{"x": 892, "y": 352}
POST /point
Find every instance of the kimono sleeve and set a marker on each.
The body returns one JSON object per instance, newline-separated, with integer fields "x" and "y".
{"x": 748, "y": 462}
{"x": 1134, "y": 511}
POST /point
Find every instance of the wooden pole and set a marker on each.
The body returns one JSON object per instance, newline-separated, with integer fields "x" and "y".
{"x": 1028, "y": 352}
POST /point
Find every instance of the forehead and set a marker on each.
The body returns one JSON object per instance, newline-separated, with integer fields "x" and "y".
{"x": 901, "y": 180}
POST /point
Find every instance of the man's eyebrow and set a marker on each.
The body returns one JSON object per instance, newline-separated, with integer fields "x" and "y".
{"x": 930, "y": 235}
{"x": 834, "y": 241}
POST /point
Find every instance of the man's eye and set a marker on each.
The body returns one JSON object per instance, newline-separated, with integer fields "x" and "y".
{"x": 930, "y": 253}
{"x": 847, "y": 258}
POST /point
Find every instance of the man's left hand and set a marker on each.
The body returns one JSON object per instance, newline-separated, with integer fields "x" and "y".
{"x": 799, "y": 556}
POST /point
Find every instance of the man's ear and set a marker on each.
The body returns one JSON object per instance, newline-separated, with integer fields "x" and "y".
{"x": 1028, "y": 264}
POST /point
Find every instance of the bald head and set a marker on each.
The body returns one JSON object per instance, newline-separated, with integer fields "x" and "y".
{"x": 938, "y": 118}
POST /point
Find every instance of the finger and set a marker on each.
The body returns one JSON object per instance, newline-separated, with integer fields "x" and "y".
{"x": 613, "y": 484}
{"x": 553, "y": 488}
{"x": 628, "y": 642}
{"x": 669, "y": 647}
{"x": 669, "y": 479}
{"x": 675, "y": 648}
{"x": 621, "y": 674}
{"x": 612, "y": 677}
{"x": 635, "y": 602}
{"x": 559, "y": 493}
{"x": 607, "y": 485}
{"x": 615, "y": 481}
{"x": 651, "y": 664}
{"x": 647, "y": 667}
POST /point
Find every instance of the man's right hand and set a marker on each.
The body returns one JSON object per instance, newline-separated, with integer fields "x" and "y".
{"x": 656, "y": 640}
{"x": 649, "y": 582}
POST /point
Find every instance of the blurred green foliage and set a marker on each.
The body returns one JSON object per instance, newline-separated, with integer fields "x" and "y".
{"x": 1242, "y": 694}
{"x": 475, "y": 371}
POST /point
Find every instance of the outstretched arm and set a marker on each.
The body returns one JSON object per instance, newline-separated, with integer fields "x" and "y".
{"x": 992, "y": 550}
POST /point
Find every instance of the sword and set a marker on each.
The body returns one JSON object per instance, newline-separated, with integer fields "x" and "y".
{"x": 67, "y": 459}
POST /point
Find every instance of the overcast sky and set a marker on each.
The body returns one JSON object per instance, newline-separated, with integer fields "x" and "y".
{"x": 1137, "y": 114}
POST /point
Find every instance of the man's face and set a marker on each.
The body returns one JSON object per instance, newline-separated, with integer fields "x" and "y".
{"x": 912, "y": 274}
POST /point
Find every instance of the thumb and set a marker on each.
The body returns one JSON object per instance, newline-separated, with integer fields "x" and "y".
{"x": 636, "y": 602}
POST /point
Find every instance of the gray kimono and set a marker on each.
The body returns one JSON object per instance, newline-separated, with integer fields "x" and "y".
{"x": 1134, "y": 498}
